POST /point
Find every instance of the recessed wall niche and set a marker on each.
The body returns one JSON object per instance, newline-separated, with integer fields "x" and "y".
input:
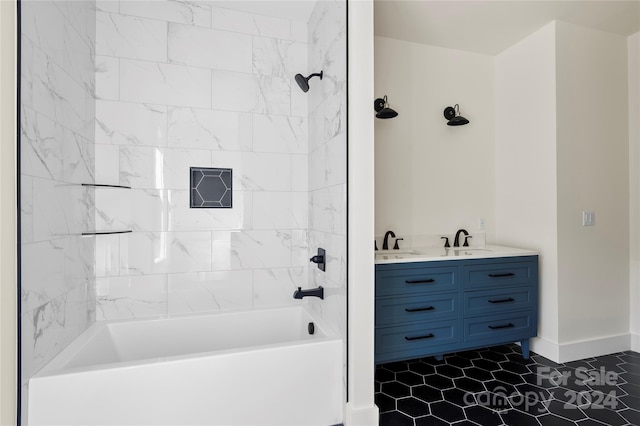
{"x": 211, "y": 188}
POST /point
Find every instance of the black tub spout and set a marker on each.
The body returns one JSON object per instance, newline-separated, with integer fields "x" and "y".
{"x": 316, "y": 292}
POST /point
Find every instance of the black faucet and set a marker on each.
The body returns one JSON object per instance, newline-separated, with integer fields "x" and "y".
{"x": 456, "y": 241}
{"x": 385, "y": 243}
{"x": 317, "y": 292}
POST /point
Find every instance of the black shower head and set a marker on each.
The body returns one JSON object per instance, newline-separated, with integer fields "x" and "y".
{"x": 303, "y": 81}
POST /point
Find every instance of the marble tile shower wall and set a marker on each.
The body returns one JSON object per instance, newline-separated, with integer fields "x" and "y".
{"x": 328, "y": 157}
{"x": 182, "y": 84}
{"x": 57, "y": 156}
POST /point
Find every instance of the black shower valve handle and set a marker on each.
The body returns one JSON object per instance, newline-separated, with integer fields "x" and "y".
{"x": 317, "y": 259}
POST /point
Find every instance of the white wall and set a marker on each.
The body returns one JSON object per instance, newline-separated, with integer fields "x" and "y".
{"x": 633, "y": 51}
{"x": 525, "y": 162}
{"x": 558, "y": 95}
{"x": 432, "y": 178}
{"x": 592, "y": 156}
{"x": 8, "y": 202}
{"x": 361, "y": 409}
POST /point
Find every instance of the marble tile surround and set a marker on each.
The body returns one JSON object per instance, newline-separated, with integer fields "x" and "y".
{"x": 182, "y": 85}
{"x": 327, "y": 150}
{"x": 57, "y": 156}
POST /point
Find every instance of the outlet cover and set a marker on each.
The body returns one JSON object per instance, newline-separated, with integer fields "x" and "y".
{"x": 588, "y": 218}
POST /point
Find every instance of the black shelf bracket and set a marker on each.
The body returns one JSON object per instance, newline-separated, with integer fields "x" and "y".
{"x": 105, "y": 232}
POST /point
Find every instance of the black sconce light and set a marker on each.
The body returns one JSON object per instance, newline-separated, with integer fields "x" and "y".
{"x": 453, "y": 115}
{"x": 382, "y": 108}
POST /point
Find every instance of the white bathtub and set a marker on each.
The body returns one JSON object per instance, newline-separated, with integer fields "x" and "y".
{"x": 241, "y": 368}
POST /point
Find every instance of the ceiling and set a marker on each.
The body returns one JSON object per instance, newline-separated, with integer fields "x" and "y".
{"x": 489, "y": 27}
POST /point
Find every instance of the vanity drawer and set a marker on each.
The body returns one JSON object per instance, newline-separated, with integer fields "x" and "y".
{"x": 413, "y": 339}
{"x": 503, "y": 327}
{"x": 409, "y": 281}
{"x": 396, "y": 310}
{"x": 498, "y": 300}
{"x": 500, "y": 273}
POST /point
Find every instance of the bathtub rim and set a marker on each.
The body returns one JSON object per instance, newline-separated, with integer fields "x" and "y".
{"x": 56, "y": 367}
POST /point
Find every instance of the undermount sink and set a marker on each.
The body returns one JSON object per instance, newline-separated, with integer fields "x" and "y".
{"x": 469, "y": 249}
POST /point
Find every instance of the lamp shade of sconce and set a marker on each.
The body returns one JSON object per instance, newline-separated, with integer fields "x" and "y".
{"x": 452, "y": 114}
{"x": 382, "y": 108}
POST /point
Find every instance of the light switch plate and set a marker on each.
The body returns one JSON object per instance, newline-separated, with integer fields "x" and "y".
{"x": 588, "y": 218}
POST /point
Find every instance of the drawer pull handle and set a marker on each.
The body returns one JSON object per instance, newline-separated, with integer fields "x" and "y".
{"x": 498, "y": 327}
{"x": 428, "y": 280}
{"x": 426, "y": 308}
{"x": 508, "y": 274}
{"x": 502, "y": 300}
{"x": 428, "y": 336}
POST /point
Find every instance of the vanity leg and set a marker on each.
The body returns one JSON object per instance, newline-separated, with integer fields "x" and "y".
{"x": 524, "y": 344}
{"x": 439, "y": 357}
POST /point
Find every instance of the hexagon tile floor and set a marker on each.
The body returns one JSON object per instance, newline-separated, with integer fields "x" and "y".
{"x": 496, "y": 386}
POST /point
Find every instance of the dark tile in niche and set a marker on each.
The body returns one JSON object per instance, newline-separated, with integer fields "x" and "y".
{"x": 210, "y": 187}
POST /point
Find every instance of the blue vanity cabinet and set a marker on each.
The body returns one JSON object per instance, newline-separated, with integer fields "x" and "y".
{"x": 433, "y": 308}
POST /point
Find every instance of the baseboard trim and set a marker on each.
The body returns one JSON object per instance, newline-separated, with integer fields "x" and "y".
{"x": 567, "y": 352}
{"x": 546, "y": 348}
{"x": 595, "y": 347}
{"x": 363, "y": 416}
{"x": 635, "y": 342}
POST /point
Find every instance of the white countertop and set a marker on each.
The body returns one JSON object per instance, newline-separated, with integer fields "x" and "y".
{"x": 429, "y": 254}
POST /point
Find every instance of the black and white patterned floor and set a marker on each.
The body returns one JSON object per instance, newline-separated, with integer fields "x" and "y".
{"x": 496, "y": 386}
